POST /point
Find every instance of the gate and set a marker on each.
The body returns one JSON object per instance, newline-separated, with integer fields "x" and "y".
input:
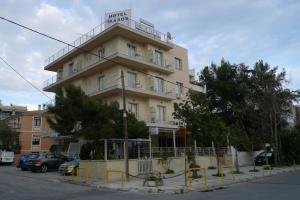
{"x": 145, "y": 165}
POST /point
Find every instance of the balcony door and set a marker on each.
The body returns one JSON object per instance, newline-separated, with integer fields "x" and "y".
{"x": 161, "y": 113}
{"x": 159, "y": 85}
{"x": 158, "y": 58}
{"x": 131, "y": 79}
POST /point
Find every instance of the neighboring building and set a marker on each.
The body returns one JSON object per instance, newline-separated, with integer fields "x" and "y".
{"x": 149, "y": 60}
{"x": 296, "y": 112}
{"x": 7, "y": 111}
{"x": 35, "y": 134}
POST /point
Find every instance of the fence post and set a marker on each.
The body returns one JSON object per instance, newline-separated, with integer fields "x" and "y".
{"x": 174, "y": 143}
{"x": 195, "y": 146}
{"x": 105, "y": 149}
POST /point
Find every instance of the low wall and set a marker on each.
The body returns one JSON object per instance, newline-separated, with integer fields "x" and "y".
{"x": 244, "y": 158}
{"x": 98, "y": 168}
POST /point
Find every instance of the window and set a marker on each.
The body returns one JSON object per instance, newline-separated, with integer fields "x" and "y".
{"x": 179, "y": 87}
{"x": 71, "y": 66}
{"x": 101, "y": 53}
{"x": 131, "y": 50}
{"x": 36, "y": 121}
{"x": 59, "y": 74}
{"x": 36, "y": 140}
{"x": 158, "y": 58}
{"x": 133, "y": 108}
{"x": 161, "y": 113}
{"x": 131, "y": 78}
{"x": 158, "y": 84}
{"x": 178, "y": 64}
{"x": 102, "y": 82}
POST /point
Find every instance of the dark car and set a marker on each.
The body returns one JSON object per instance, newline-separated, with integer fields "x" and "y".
{"x": 46, "y": 162}
{"x": 261, "y": 159}
{"x": 25, "y": 160}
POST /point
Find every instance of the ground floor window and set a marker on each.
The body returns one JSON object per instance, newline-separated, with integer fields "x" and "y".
{"x": 36, "y": 140}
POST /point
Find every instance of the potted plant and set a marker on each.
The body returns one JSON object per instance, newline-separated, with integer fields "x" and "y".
{"x": 153, "y": 180}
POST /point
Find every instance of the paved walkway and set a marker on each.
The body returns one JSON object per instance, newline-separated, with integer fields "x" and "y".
{"x": 175, "y": 183}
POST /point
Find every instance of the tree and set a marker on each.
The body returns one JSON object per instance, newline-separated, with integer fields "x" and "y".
{"x": 8, "y": 137}
{"x": 206, "y": 126}
{"x": 76, "y": 114}
{"x": 273, "y": 102}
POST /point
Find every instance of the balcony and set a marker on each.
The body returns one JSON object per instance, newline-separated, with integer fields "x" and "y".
{"x": 15, "y": 125}
{"x": 171, "y": 124}
{"x": 100, "y": 34}
{"x": 137, "y": 61}
{"x": 196, "y": 88}
{"x": 138, "y": 90}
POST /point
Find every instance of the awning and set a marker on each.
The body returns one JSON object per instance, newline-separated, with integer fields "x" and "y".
{"x": 184, "y": 132}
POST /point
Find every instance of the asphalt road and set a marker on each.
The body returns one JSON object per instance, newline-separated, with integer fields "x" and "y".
{"x": 18, "y": 185}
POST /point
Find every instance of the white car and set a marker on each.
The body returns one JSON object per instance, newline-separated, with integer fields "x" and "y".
{"x": 6, "y": 157}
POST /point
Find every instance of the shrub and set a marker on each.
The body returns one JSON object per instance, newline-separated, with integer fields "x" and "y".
{"x": 85, "y": 151}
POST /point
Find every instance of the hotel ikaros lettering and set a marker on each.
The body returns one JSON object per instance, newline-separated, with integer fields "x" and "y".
{"x": 118, "y": 17}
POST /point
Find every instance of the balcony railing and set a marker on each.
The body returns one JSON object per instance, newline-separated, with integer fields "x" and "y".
{"x": 134, "y": 25}
{"x": 166, "y": 65}
{"x": 137, "y": 88}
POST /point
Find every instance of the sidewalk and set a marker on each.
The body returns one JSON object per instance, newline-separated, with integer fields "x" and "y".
{"x": 176, "y": 185}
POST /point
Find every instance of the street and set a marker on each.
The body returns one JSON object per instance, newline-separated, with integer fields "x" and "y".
{"x": 19, "y": 185}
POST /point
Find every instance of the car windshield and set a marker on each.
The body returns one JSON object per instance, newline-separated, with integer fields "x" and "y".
{"x": 263, "y": 154}
{"x": 33, "y": 156}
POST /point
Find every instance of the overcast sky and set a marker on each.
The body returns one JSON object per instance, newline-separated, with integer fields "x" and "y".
{"x": 237, "y": 30}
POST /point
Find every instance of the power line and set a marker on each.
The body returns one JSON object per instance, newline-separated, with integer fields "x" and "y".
{"x": 81, "y": 49}
{"x": 32, "y": 85}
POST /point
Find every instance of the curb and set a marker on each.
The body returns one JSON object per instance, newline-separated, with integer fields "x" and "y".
{"x": 180, "y": 189}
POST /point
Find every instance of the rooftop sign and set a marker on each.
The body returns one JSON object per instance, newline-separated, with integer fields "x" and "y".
{"x": 123, "y": 17}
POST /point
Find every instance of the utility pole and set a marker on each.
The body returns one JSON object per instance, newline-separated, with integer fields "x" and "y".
{"x": 125, "y": 128}
{"x": 185, "y": 170}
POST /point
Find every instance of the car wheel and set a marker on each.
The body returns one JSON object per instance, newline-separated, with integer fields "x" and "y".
{"x": 44, "y": 168}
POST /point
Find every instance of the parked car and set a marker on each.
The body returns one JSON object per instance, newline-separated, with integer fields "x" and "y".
{"x": 46, "y": 162}
{"x": 25, "y": 161}
{"x": 260, "y": 159}
{"x": 6, "y": 157}
{"x": 69, "y": 168}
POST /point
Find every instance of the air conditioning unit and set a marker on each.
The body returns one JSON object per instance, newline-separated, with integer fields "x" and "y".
{"x": 179, "y": 96}
{"x": 168, "y": 65}
{"x": 75, "y": 70}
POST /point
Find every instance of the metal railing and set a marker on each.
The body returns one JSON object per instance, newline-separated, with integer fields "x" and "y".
{"x": 132, "y": 24}
{"x": 180, "y": 151}
{"x": 167, "y": 65}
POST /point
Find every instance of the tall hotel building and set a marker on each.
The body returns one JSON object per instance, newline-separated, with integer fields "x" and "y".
{"x": 149, "y": 59}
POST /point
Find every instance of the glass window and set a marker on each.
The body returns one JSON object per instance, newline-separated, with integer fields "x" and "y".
{"x": 158, "y": 84}
{"x": 131, "y": 78}
{"x": 36, "y": 121}
{"x": 131, "y": 50}
{"x": 102, "y": 82}
{"x": 179, "y": 87}
{"x": 178, "y": 63}
{"x": 71, "y": 67}
{"x": 59, "y": 74}
{"x": 101, "y": 53}
{"x": 36, "y": 140}
{"x": 158, "y": 58}
{"x": 161, "y": 113}
{"x": 133, "y": 108}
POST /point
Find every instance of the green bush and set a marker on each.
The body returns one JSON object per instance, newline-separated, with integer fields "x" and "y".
{"x": 85, "y": 151}
{"x": 290, "y": 148}
{"x": 212, "y": 167}
{"x": 170, "y": 171}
